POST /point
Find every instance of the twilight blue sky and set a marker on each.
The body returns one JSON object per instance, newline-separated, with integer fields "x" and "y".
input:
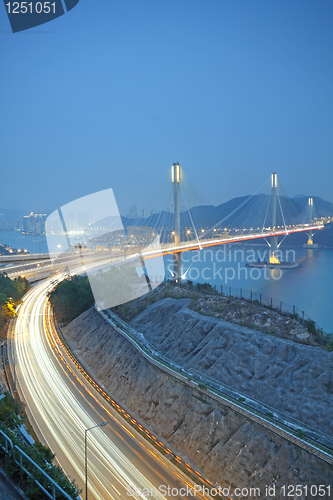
{"x": 109, "y": 94}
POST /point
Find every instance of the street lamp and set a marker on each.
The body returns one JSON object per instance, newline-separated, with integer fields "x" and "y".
{"x": 86, "y": 453}
{"x": 14, "y": 335}
{"x": 14, "y": 373}
{"x": 13, "y": 359}
{"x": 36, "y": 271}
{"x": 2, "y": 343}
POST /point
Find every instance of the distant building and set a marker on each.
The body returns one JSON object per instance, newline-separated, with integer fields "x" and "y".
{"x": 144, "y": 213}
{"x": 54, "y": 226}
{"x": 83, "y": 220}
{"x": 17, "y": 224}
{"x": 34, "y": 224}
{"x": 11, "y": 224}
{"x": 133, "y": 211}
{"x": 71, "y": 222}
{"x": 152, "y": 211}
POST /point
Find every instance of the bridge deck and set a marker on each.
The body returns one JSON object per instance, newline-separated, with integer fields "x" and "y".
{"x": 166, "y": 249}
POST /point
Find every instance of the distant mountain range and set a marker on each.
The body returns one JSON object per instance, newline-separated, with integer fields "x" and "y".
{"x": 243, "y": 212}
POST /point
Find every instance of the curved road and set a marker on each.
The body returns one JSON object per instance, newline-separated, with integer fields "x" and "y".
{"x": 61, "y": 404}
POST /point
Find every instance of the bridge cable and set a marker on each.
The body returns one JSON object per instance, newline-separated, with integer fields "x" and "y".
{"x": 268, "y": 205}
{"x": 235, "y": 210}
{"x": 284, "y": 222}
{"x": 189, "y": 213}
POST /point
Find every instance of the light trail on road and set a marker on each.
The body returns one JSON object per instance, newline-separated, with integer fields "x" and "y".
{"x": 61, "y": 404}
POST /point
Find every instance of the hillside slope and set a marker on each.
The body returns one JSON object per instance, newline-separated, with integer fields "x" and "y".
{"x": 230, "y": 450}
{"x": 291, "y": 377}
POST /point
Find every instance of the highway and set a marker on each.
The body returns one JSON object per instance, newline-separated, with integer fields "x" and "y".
{"x": 41, "y": 269}
{"x": 39, "y": 265}
{"x": 61, "y": 404}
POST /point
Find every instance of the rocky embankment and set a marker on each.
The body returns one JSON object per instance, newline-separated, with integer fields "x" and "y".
{"x": 229, "y": 449}
{"x": 291, "y": 377}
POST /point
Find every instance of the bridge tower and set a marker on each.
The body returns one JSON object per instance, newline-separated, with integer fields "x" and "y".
{"x": 310, "y": 235}
{"x": 273, "y": 259}
{"x": 177, "y": 257}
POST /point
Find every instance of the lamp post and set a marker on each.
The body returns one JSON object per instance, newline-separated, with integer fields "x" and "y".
{"x": 36, "y": 270}
{"x": 2, "y": 349}
{"x": 14, "y": 337}
{"x": 86, "y": 453}
{"x": 13, "y": 359}
{"x": 14, "y": 363}
{"x": 14, "y": 372}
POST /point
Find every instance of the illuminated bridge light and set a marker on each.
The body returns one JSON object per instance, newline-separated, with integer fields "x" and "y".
{"x": 176, "y": 173}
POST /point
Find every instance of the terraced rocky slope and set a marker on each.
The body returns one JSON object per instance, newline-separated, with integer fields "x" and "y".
{"x": 294, "y": 378}
{"x": 228, "y": 448}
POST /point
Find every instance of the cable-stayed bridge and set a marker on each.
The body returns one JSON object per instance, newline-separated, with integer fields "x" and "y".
{"x": 182, "y": 224}
{"x": 274, "y": 226}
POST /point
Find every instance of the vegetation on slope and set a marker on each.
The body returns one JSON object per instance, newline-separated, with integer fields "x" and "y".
{"x": 208, "y": 302}
{"x": 11, "y": 418}
{"x": 11, "y": 292}
{"x": 71, "y": 298}
{"x": 74, "y": 296}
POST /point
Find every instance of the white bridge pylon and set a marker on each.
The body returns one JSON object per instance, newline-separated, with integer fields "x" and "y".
{"x": 271, "y": 234}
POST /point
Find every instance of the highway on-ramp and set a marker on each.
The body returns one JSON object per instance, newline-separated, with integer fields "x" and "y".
{"x": 61, "y": 404}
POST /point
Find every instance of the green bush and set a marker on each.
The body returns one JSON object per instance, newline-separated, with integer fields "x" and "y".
{"x": 300, "y": 433}
{"x": 329, "y": 346}
{"x": 71, "y": 298}
{"x": 310, "y": 324}
{"x": 11, "y": 292}
{"x": 11, "y": 418}
{"x": 10, "y": 412}
{"x": 328, "y": 341}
